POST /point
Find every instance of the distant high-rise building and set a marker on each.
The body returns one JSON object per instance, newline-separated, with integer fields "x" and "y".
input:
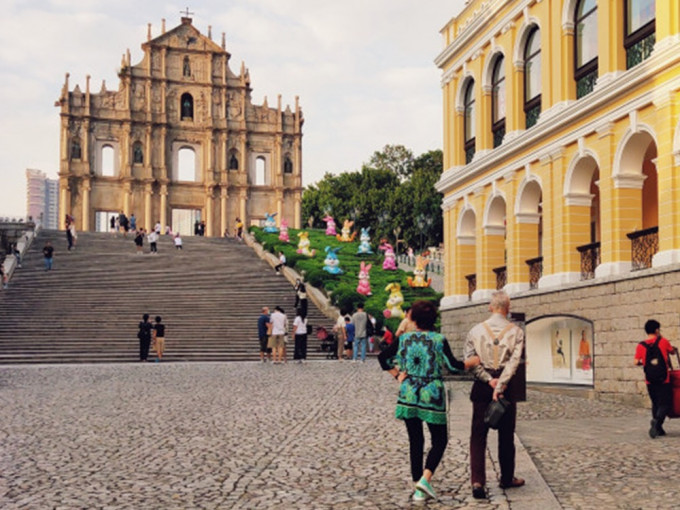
{"x": 42, "y": 198}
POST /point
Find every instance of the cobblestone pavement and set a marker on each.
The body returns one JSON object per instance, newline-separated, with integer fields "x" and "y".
{"x": 316, "y": 436}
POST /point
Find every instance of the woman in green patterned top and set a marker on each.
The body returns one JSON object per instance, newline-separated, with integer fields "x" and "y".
{"x": 416, "y": 360}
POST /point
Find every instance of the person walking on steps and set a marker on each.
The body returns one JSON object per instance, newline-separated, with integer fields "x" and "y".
{"x": 159, "y": 338}
{"x": 48, "y": 253}
{"x": 499, "y": 345}
{"x": 417, "y": 361}
{"x": 652, "y": 353}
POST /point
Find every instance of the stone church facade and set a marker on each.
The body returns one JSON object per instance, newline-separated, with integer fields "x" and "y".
{"x": 179, "y": 141}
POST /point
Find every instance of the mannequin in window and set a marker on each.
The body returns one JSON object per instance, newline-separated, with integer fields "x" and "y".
{"x": 75, "y": 150}
{"x": 137, "y": 154}
{"x": 233, "y": 162}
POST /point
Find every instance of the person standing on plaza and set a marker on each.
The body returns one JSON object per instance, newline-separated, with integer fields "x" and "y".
{"x": 123, "y": 222}
{"x": 144, "y": 335}
{"x": 499, "y": 344}
{"x": 239, "y": 229}
{"x": 359, "y": 320}
{"x": 113, "y": 222}
{"x": 74, "y": 236}
{"x": 417, "y": 361}
{"x": 159, "y": 338}
{"x": 263, "y": 332}
{"x": 69, "y": 236}
{"x": 300, "y": 328}
{"x": 349, "y": 338}
{"x": 652, "y": 353}
{"x": 133, "y": 222}
{"x": 279, "y": 330}
{"x": 48, "y": 253}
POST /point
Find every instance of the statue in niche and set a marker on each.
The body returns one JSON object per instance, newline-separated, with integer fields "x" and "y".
{"x": 76, "y": 151}
{"x": 186, "y": 68}
{"x": 187, "y": 106}
{"x": 233, "y": 162}
{"x": 287, "y": 166}
{"x": 137, "y": 153}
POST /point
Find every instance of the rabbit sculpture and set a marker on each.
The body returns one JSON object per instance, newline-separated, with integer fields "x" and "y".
{"x": 303, "y": 245}
{"x": 418, "y": 279}
{"x": 330, "y": 225}
{"x": 283, "y": 235}
{"x": 270, "y": 223}
{"x": 347, "y": 234}
{"x": 365, "y": 244}
{"x": 332, "y": 263}
{"x": 394, "y": 302}
{"x": 390, "y": 262}
{"x": 364, "y": 286}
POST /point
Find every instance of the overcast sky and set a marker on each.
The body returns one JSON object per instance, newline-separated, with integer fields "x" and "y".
{"x": 363, "y": 70}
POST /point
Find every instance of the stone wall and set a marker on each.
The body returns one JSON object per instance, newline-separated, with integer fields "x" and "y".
{"x": 618, "y": 306}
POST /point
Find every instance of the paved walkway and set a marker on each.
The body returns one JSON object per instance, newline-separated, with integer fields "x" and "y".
{"x": 315, "y": 436}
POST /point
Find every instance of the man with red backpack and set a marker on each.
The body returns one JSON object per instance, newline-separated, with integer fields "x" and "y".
{"x": 652, "y": 353}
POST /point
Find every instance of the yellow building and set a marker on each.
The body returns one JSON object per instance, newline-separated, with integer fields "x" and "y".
{"x": 562, "y": 170}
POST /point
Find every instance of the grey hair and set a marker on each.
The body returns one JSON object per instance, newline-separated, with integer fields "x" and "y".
{"x": 500, "y": 301}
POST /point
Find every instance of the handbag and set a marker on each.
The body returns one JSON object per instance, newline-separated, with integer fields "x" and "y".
{"x": 495, "y": 412}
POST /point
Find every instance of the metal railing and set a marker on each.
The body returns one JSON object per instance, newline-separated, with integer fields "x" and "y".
{"x": 535, "y": 271}
{"x": 590, "y": 259}
{"x": 501, "y": 277}
{"x": 644, "y": 244}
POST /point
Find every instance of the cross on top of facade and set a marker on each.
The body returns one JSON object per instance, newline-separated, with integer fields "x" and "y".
{"x": 186, "y": 12}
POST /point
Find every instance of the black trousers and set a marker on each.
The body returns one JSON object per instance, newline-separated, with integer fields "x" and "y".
{"x": 300, "y": 347}
{"x": 506, "y": 444}
{"x": 662, "y": 400}
{"x": 144, "y": 344}
{"x": 440, "y": 437}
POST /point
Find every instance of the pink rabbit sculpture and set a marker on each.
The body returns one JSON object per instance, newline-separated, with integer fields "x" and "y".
{"x": 364, "y": 286}
{"x": 390, "y": 262}
{"x": 330, "y": 225}
{"x": 283, "y": 235}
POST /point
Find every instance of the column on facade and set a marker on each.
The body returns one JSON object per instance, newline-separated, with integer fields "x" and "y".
{"x": 458, "y": 146}
{"x": 148, "y": 195}
{"x": 277, "y": 174}
{"x": 279, "y": 206}
{"x": 85, "y": 188}
{"x": 224, "y": 219}
{"x": 297, "y": 209}
{"x": 610, "y": 28}
{"x": 552, "y": 202}
{"x": 484, "y": 133}
{"x": 514, "y": 260}
{"x": 514, "y": 109}
{"x": 242, "y": 199}
{"x": 125, "y": 159}
{"x": 148, "y": 173}
{"x": 209, "y": 221}
{"x": 127, "y": 193}
{"x": 449, "y": 95}
{"x": 164, "y": 205}
{"x": 449, "y": 235}
{"x": 667, "y": 115}
{"x": 565, "y": 64}
{"x": 161, "y": 154}
{"x": 64, "y": 202}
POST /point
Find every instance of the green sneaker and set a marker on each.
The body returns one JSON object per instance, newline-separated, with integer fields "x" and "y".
{"x": 419, "y": 496}
{"x": 424, "y": 486}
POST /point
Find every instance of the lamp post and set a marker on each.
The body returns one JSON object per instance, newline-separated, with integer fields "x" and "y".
{"x": 397, "y": 231}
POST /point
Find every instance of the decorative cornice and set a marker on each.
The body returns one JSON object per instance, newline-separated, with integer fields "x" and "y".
{"x": 583, "y": 199}
{"x": 629, "y": 181}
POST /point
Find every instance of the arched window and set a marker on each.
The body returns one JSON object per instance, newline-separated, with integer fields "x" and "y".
{"x": 469, "y": 121}
{"x": 287, "y": 166}
{"x": 585, "y": 50}
{"x": 137, "y": 153}
{"x": 260, "y": 171}
{"x": 186, "y": 67}
{"x": 76, "y": 152}
{"x": 532, "y": 77}
{"x": 233, "y": 162}
{"x": 187, "y": 106}
{"x": 498, "y": 101}
{"x": 186, "y": 164}
{"x": 108, "y": 161}
{"x": 640, "y": 30}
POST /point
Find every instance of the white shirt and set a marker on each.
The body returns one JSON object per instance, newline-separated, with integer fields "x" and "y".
{"x": 153, "y": 237}
{"x": 300, "y": 326}
{"x": 178, "y": 241}
{"x": 279, "y": 323}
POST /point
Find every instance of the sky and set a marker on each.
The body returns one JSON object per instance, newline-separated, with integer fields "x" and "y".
{"x": 363, "y": 69}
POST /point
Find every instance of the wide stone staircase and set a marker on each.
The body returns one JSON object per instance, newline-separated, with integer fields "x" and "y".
{"x": 87, "y": 308}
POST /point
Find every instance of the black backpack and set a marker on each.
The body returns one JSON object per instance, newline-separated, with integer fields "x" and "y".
{"x": 655, "y": 367}
{"x": 370, "y": 330}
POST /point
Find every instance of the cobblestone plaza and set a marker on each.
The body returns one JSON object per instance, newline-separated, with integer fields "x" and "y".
{"x": 314, "y": 436}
